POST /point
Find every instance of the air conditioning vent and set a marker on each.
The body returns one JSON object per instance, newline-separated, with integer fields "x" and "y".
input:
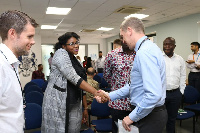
{"x": 87, "y": 30}
{"x": 129, "y": 9}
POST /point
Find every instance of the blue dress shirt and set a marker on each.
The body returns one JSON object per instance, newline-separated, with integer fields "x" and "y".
{"x": 147, "y": 89}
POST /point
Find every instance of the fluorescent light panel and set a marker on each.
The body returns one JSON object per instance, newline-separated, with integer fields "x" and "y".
{"x": 58, "y": 11}
{"x": 139, "y": 16}
{"x": 48, "y": 27}
{"x": 105, "y": 29}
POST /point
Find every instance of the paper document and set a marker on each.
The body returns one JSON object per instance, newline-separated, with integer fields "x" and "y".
{"x": 121, "y": 129}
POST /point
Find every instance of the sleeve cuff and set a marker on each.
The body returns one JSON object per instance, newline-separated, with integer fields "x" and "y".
{"x": 79, "y": 82}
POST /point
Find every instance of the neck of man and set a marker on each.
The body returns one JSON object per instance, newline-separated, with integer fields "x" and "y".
{"x": 10, "y": 46}
{"x": 170, "y": 55}
{"x": 196, "y": 51}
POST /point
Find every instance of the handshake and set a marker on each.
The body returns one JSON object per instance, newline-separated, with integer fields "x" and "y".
{"x": 101, "y": 96}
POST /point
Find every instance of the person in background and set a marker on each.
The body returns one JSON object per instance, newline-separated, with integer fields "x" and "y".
{"x": 17, "y": 32}
{"x": 175, "y": 80}
{"x": 193, "y": 63}
{"x": 147, "y": 86}
{"x": 62, "y": 106}
{"x": 90, "y": 63}
{"x": 50, "y": 60}
{"x": 99, "y": 64}
{"x": 90, "y": 74}
{"x": 38, "y": 74}
{"x": 117, "y": 44}
{"x": 85, "y": 61}
{"x": 118, "y": 65}
{"x": 79, "y": 60}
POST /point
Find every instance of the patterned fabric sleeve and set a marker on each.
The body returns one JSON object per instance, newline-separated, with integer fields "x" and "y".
{"x": 108, "y": 68}
{"x": 63, "y": 63}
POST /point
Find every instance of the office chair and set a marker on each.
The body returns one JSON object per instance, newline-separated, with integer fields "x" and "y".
{"x": 39, "y": 82}
{"x": 33, "y": 116}
{"x": 102, "y": 112}
{"x": 27, "y": 85}
{"x": 34, "y": 97}
{"x": 33, "y": 88}
{"x": 44, "y": 86}
{"x": 184, "y": 116}
{"x": 191, "y": 96}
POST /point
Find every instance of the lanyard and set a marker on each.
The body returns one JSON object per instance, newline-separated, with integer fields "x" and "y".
{"x": 142, "y": 42}
{"x": 129, "y": 82}
{"x": 197, "y": 57}
{"x": 14, "y": 70}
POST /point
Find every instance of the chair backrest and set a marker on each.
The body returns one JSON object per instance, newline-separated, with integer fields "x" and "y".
{"x": 99, "y": 109}
{"x": 33, "y": 88}
{"x": 33, "y": 116}
{"x": 44, "y": 86}
{"x": 34, "y": 97}
{"x": 97, "y": 78}
{"x": 191, "y": 95}
{"x": 103, "y": 84}
{"x": 100, "y": 75}
{"x": 39, "y": 82}
{"x": 29, "y": 84}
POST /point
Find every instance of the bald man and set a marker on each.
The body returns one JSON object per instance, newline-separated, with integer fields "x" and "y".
{"x": 90, "y": 74}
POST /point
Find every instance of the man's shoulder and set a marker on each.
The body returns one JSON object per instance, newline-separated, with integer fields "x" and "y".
{"x": 179, "y": 57}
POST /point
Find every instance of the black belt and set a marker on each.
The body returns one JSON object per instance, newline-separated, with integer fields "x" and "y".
{"x": 58, "y": 88}
{"x": 170, "y": 91}
{"x": 162, "y": 107}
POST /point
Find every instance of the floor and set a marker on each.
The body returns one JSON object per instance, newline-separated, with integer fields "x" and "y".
{"x": 185, "y": 128}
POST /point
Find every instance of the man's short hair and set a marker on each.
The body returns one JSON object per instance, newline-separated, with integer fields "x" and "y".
{"x": 100, "y": 51}
{"x": 14, "y": 20}
{"x": 195, "y": 43}
{"x": 91, "y": 71}
{"x": 117, "y": 41}
{"x": 39, "y": 65}
{"x": 170, "y": 38}
{"x": 134, "y": 23}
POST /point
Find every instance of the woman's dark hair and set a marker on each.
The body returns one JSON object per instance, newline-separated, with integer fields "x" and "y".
{"x": 89, "y": 64}
{"x": 62, "y": 40}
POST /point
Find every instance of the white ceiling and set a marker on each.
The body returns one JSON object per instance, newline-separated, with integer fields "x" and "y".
{"x": 93, "y": 14}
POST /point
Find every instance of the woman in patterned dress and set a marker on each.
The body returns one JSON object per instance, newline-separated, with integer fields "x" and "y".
{"x": 62, "y": 107}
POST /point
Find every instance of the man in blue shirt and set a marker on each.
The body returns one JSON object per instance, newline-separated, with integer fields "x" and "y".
{"x": 147, "y": 87}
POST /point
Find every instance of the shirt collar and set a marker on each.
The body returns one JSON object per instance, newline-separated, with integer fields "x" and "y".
{"x": 174, "y": 55}
{"x": 139, "y": 42}
{"x": 9, "y": 54}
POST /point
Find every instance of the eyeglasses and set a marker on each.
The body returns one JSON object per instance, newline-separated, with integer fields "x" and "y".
{"x": 73, "y": 44}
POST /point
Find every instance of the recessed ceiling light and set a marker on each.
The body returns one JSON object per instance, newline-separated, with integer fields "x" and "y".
{"x": 139, "y": 16}
{"x": 105, "y": 29}
{"x": 48, "y": 27}
{"x": 58, "y": 11}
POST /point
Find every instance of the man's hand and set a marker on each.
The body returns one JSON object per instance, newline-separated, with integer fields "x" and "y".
{"x": 126, "y": 122}
{"x": 102, "y": 97}
{"x": 190, "y": 61}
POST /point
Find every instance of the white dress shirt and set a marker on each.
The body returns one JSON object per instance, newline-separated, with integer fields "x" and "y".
{"x": 175, "y": 72}
{"x": 100, "y": 63}
{"x": 11, "y": 101}
{"x": 196, "y": 58}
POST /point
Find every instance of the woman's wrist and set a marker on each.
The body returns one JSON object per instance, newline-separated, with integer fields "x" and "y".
{"x": 85, "y": 108}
